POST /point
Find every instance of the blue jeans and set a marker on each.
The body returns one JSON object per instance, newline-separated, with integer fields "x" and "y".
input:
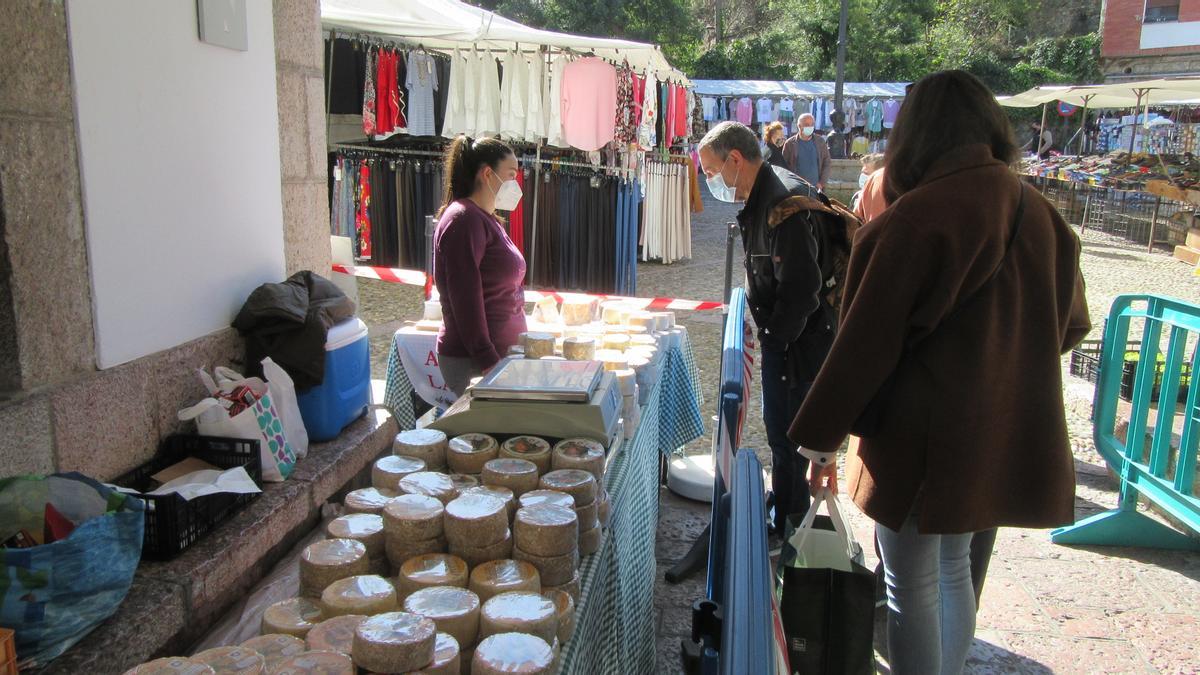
{"x": 781, "y": 401}
{"x": 931, "y": 602}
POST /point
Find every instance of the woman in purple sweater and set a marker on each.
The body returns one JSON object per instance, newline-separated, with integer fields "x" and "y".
{"x": 477, "y": 269}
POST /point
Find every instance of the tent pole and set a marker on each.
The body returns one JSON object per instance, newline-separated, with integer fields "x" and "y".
{"x": 1083, "y": 125}
{"x": 1037, "y": 146}
{"x": 537, "y": 187}
{"x": 1133, "y": 127}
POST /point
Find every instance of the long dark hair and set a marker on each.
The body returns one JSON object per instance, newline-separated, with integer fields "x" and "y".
{"x": 944, "y": 111}
{"x": 463, "y": 159}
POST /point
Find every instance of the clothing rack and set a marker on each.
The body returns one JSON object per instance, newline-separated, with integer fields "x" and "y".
{"x": 390, "y": 151}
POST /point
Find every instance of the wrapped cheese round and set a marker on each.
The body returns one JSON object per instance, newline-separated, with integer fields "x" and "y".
{"x": 476, "y": 520}
{"x": 546, "y": 530}
{"x": 577, "y": 312}
{"x": 580, "y": 453}
{"x": 643, "y": 319}
{"x": 611, "y": 359}
{"x": 431, "y": 571}
{"x": 546, "y": 497}
{"x": 519, "y": 612}
{"x": 387, "y": 471}
{"x": 317, "y": 663}
{"x": 499, "y": 492}
{"x": 612, "y": 312}
{"x": 172, "y": 665}
{"x": 462, "y": 481}
{"x": 589, "y": 541}
{"x": 626, "y": 381}
{"x": 664, "y": 321}
{"x": 400, "y": 551}
{"x": 518, "y": 475}
{"x": 553, "y": 570}
{"x": 579, "y": 484}
{"x": 367, "y": 594}
{"x": 294, "y": 617}
{"x": 538, "y": 345}
{"x": 394, "y": 642}
{"x": 513, "y": 653}
{"x": 564, "y": 606}
{"x": 335, "y": 635}
{"x": 275, "y": 648}
{"x": 232, "y": 660}
{"x": 642, "y": 340}
{"x": 477, "y": 555}
{"x": 572, "y": 588}
{"x": 429, "y": 483}
{"x": 529, "y": 448}
{"x": 579, "y": 349}
{"x": 368, "y": 500}
{"x": 413, "y": 518}
{"x": 504, "y": 576}
{"x": 453, "y": 610}
{"x": 366, "y": 528}
{"x": 616, "y": 341}
{"x": 469, "y": 452}
{"x": 588, "y": 515}
{"x": 324, "y": 562}
{"x": 446, "y": 657}
{"x": 602, "y": 506}
{"x": 428, "y": 445}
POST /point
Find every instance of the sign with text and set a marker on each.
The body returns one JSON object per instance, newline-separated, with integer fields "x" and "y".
{"x": 418, "y": 353}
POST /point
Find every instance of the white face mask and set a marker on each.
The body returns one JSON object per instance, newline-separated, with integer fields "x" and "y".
{"x": 808, "y": 131}
{"x": 722, "y": 190}
{"x": 862, "y": 180}
{"x": 508, "y": 196}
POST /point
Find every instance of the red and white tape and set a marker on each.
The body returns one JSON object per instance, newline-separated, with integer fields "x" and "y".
{"x": 418, "y": 278}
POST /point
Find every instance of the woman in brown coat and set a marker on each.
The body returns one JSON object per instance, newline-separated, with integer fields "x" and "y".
{"x": 960, "y": 299}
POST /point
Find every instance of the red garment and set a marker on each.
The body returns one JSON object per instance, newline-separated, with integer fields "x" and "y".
{"x": 682, "y": 113}
{"x": 639, "y": 92}
{"x": 516, "y": 219}
{"x": 362, "y": 217}
{"x": 383, "y": 120}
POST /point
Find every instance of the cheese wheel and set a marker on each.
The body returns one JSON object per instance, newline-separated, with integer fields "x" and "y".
{"x": 429, "y": 483}
{"x": 394, "y": 642}
{"x": 413, "y": 518}
{"x": 642, "y": 340}
{"x": 294, "y": 617}
{"x": 469, "y": 452}
{"x": 547, "y": 309}
{"x": 428, "y": 445}
{"x": 637, "y": 362}
{"x": 546, "y": 530}
{"x": 664, "y": 321}
{"x": 477, "y": 555}
{"x": 529, "y": 448}
{"x": 538, "y": 345}
{"x": 579, "y": 349}
{"x": 324, "y": 562}
{"x": 611, "y": 359}
{"x": 369, "y": 500}
{"x": 232, "y": 660}
{"x": 367, "y": 594}
{"x": 553, "y": 570}
{"x": 577, "y": 312}
{"x": 547, "y": 497}
{"x": 513, "y": 654}
{"x": 172, "y": 665}
{"x": 579, "y": 484}
{"x": 626, "y": 381}
{"x": 447, "y": 657}
{"x": 572, "y": 588}
{"x": 275, "y": 648}
{"x": 518, "y": 475}
{"x": 616, "y": 341}
{"x": 317, "y": 663}
{"x": 462, "y": 481}
{"x": 431, "y": 571}
{"x": 612, "y": 312}
{"x": 632, "y": 419}
{"x": 519, "y": 612}
{"x": 387, "y": 471}
{"x": 504, "y": 576}
{"x": 564, "y": 607}
{"x": 476, "y": 520}
{"x": 641, "y": 318}
{"x": 580, "y": 453}
{"x": 602, "y": 508}
{"x": 335, "y": 635}
{"x": 366, "y": 528}
{"x": 588, "y": 515}
{"x": 499, "y": 492}
{"x": 589, "y": 541}
{"x": 400, "y": 551}
{"x": 453, "y": 610}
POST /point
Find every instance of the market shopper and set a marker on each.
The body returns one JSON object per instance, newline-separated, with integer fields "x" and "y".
{"x": 807, "y": 155}
{"x": 773, "y": 142}
{"x": 478, "y": 271}
{"x": 961, "y": 297}
{"x": 783, "y": 289}
{"x": 871, "y": 164}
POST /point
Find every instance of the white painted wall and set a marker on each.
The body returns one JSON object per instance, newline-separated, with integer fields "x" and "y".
{"x": 179, "y": 155}
{"x": 1170, "y": 34}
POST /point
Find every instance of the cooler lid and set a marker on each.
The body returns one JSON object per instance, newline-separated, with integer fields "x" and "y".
{"x": 344, "y": 333}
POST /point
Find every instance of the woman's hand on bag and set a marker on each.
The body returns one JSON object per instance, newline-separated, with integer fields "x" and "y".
{"x": 823, "y": 476}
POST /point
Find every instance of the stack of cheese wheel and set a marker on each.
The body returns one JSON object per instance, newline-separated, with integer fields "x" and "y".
{"x": 576, "y": 312}
{"x": 367, "y": 595}
{"x": 626, "y": 382}
{"x": 664, "y": 321}
{"x": 366, "y": 528}
{"x": 368, "y": 500}
{"x": 274, "y": 648}
{"x": 579, "y": 453}
{"x": 171, "y": 665}
{"x": 616, "y": 342}
{"x": 518, "y": 475}
{"x": 412, "y": 526}
{"x": 538, "y": 345}
{"x": 335, "y": 635}
{"x": 579, "y": 348}
{"x": 427, "y": 445}
{"x": 643, "y": 341}
{"x": 432, "y": 570}
{"x": 499, "y": 492}
{"x": 295, "y": 617}
{"x": 504, "y": 576}
{"x": 396, "y": 642}
{"x": 613, "y": 311}
{"x": 564, "y": 604}
{"x": 507, "y": 653}
{"x": 430, "y": 484}
{"x": 643, "y": 320}
{"x": 462, "y": 481}
{"x": 232, "y": 660}
{"x": 469, "y": 452}
{"x": 612, "y": 359}
{"x": 583, "y": 487}
{"x": 308, "y": 663}
{"x": 571, "y": 588}
{"x": 387, "y": 471}
{"x": 447, "y": 657}
{"x": 602, "y": 507}
{"x": 547, "y": 537}
{"x": 324, "y": 562}
{"x": 519, "y": 612}
{"x": 477, "y": 528}
{"x": 453, "y": 610}
{"x": 529, "y": 448}
{"x": 541, "y": 496}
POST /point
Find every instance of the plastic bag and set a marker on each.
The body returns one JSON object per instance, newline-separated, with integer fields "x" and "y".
{"x": 55, "y": 594}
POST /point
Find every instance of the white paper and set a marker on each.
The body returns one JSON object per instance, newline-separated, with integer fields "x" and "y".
{"x": 209, "y": 482}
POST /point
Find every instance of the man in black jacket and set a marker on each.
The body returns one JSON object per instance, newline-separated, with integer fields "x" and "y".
{"x": 784, "y": 290}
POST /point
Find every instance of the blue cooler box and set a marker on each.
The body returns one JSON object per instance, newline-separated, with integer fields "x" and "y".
{"x": 346, "y": 392}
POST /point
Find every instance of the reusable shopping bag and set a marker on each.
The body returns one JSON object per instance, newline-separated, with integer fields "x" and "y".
{"x": 283, "y": 393}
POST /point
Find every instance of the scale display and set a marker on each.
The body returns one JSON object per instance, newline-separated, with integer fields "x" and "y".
{"x": 519, "y": 379}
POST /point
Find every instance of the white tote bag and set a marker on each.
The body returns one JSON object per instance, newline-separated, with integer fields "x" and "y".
{"x": 819, "y": 548}
{"x": 283, "y": 393}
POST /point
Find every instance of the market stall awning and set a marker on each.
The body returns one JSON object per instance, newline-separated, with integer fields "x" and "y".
{"x": 1120, "y": 95}
{"x": 448, "y": 24}
{"x": 797, "y": 89}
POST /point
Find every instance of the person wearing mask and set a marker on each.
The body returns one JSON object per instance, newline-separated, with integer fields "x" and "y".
{"x": 477, "y": 270}
{"x": 784, "y": 284}
{"x": 773, "y": 152}
{"x": 870, "y": 164}
{"x": 807, "y": 155}
{"x": 966, "y": 273}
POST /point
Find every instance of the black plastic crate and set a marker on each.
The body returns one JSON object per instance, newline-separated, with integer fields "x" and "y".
{"x": 174, "y": 523}
{"x": 1085, "y": 360}
{"x": 1129, "y": 371}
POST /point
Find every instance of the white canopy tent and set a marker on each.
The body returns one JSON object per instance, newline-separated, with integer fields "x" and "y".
{"x": 797, "y": 89}
{"x": 443, "y": 25}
